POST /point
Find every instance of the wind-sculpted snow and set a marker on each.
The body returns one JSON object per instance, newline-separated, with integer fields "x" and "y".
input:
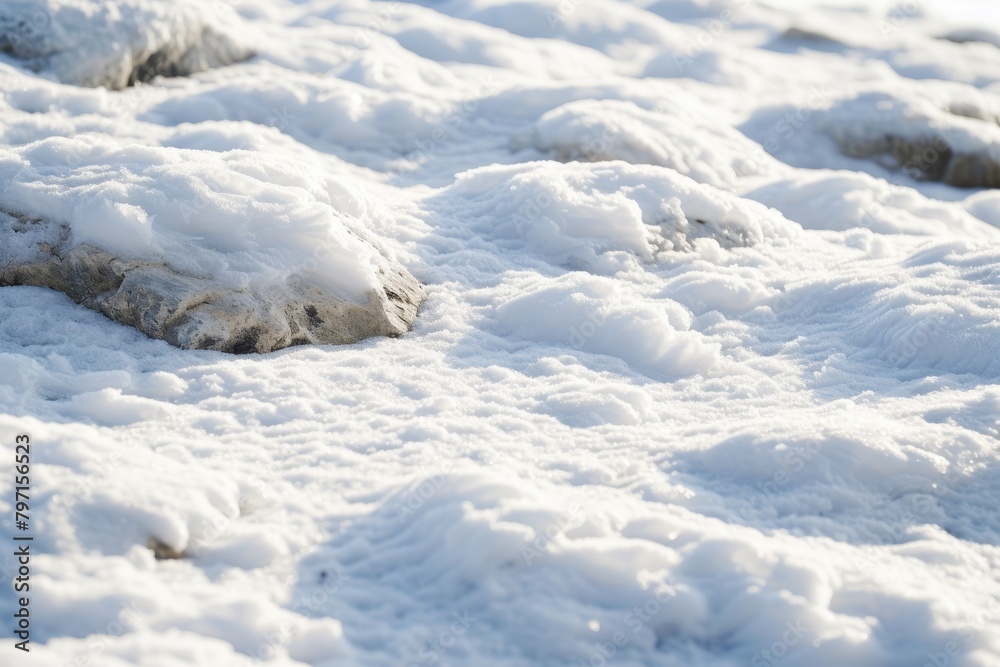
{"x": 706, "y": 374}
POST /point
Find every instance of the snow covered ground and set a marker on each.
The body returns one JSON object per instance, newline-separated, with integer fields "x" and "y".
{"x": 708, "y": 373}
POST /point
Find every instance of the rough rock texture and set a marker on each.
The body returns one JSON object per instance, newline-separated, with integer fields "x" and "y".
{"x": 952, "y": 136}
{"x": 116, "y": 44}
{"x": 193, "y": 312}
{"x": 931, "y": 158}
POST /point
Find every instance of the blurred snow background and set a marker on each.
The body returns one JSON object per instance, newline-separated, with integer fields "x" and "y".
{"x": 964, "y": 11}
{"x": 692, "y": 386}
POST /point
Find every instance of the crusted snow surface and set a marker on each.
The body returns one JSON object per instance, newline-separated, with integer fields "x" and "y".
{"x": 691, "y": 386}
{"x": 117, "y": 44}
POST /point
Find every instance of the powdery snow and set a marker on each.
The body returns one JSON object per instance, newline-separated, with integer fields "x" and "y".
{"x": 691, "y": 386}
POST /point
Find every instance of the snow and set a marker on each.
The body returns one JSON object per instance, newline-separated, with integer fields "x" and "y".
{"x": 691, "y": 386}
{"x": 93, "y": 43}
{"x": 233, "y": 217}
{"x": 591, "y": 130}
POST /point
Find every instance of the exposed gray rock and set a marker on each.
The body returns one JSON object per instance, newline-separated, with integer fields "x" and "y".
{"x": 193, "y": 312}
{"x": 799, "y": 34}
{"x": 973, "y": 35}
{"x": 957, "y": 142}
{"x": 927, "y": 157}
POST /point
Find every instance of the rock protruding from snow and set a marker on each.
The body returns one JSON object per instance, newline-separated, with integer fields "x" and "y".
{"x": 192, "y": 312}
{"x": 957, "y": 143}
{"x": 98, "y": 43}
{"x": 197, "y": 249}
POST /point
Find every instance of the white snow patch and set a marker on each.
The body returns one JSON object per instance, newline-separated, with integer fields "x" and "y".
{"x": 681, "y": 134}
{"x": 238, "y": 217}
{"x": 604, "y": 217}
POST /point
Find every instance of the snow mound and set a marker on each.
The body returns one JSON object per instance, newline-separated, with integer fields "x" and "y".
{"x": 99, "y": 43}
{"x": 958, "y": 144}
{"x": 605, "y": 217}
{"x": 590, "y": 314}
{"x": 680, "y": 135}
{"x": 844, "y": 200}
{"x": 234, "y": 252}
{"x": 985, "y": 205}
